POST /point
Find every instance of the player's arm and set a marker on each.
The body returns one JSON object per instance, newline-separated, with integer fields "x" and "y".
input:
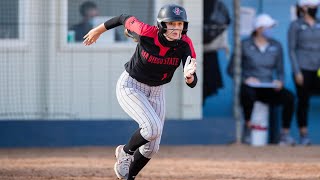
{"x": 192, "y": 82}
{"x": 134, "y": 28}
{"x": 95, "y": 33}
{"x": 189, "y": 63}
{"x": 189, "y": 71}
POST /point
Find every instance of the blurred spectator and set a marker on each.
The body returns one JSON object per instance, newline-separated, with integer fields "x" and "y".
{"x": 263, "y": 76}
{"x": 88, "y": 11}
{"x": 304, "y": 51}
{"x": 216, "y": 20}
{"x": 9, "y": 20}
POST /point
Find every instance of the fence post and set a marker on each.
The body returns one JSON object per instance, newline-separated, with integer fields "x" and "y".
{"x": 237, "y": 69}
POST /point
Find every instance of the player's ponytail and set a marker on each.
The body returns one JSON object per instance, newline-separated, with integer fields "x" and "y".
{"x": 127, "y": 34}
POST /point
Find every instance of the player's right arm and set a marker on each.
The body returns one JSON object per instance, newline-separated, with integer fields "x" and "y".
{"x": 135, "y": 28}
{"x": 95, "y": 33}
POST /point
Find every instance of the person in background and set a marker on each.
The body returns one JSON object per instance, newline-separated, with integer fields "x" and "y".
{"x": 262, "y": 63}
{"x": 216, "y": 19}
{"x": 304, "y": 51}
{"x": 88, "y": 11}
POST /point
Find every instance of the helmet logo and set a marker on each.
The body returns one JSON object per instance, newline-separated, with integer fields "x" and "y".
{"x": 177, "y": 11}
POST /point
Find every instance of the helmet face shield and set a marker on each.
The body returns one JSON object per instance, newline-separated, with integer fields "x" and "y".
{"x": 171, "y": 13}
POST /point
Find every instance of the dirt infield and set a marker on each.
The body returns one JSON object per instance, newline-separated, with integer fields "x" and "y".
{"x": 233, "y": 162}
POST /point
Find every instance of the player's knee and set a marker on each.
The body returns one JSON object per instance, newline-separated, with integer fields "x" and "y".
{"x": 154, "y": 151}
{"x": 150, "y": 152}
{"x": 152, "y": 136}
{"x": 154, "y": 133}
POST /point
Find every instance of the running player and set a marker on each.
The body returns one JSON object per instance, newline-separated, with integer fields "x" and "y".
{"x": 140, "y": 88}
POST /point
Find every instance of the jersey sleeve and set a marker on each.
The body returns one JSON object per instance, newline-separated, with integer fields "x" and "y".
{"x": 116, "y": 21}
{"x": 135, "y": 28}
{"x": 189, "y": 50}
{"x": 138, "y": 28}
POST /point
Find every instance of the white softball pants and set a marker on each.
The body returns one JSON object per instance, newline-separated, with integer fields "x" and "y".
{"x": 146, "y": 105}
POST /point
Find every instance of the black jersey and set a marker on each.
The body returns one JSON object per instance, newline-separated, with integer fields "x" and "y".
{"x": 155, "y": 59}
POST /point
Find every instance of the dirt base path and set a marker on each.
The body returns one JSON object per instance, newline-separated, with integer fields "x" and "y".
{"x": 233, "y": 162}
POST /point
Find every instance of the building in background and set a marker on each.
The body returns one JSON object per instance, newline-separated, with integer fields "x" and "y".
{"x": 44, "y": 76}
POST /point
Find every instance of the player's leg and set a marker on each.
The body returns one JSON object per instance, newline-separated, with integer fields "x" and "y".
{"x": 135, "y": 142}
{"x": 146, "y": 152}
{"x": 136, "y": 166}
{"x": 132, "y": 97}
{"x": 142, "y": 156}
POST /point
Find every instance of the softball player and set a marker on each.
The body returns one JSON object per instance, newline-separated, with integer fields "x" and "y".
{"x": 140, "y": 88}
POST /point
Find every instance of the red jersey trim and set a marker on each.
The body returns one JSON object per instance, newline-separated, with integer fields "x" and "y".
{"x": 142, "y": 29}
{"x": 186, "y": 39}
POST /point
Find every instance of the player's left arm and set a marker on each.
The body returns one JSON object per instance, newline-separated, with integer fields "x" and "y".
{"x": 189, "y": 71}
{"x": 189, "y": 63}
